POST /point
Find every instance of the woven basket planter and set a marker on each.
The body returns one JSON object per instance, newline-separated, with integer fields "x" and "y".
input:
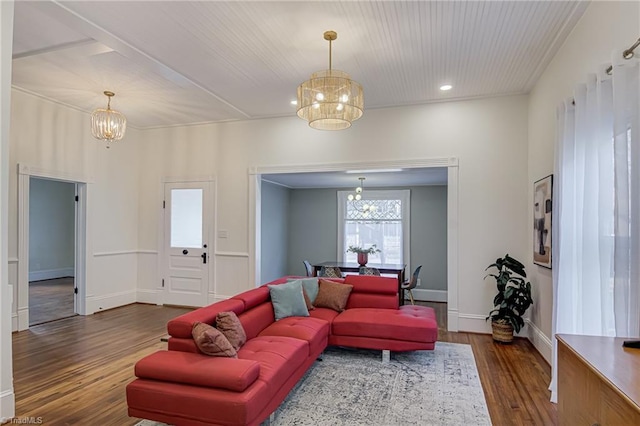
{"x": 502, "y": 333}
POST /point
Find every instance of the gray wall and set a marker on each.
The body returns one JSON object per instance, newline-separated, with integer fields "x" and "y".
{"x": 51, "y": 229}
{"x": 275, "y": 231}
{"x": 429, "y": 235}
{"x": 313, "y": 227}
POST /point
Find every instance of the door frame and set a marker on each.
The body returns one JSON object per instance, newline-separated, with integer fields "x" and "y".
{"x": 25, "y": 173}
{"x": 211, "y": 244}
{"x": 451, "y": 163}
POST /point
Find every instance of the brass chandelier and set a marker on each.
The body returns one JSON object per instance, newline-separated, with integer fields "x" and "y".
{"x": 108, "y": 124}
{"x": 330, "y": 100}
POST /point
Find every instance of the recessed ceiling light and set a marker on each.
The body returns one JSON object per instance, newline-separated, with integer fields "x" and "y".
{"x": 446, "y": 87}
{"x": 294, "y": 102}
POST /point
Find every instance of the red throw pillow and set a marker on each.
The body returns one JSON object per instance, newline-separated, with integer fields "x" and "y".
{"x": 332, "y": 295}
{"x": 229, "y": 324}
{"x": 211, "y": 341}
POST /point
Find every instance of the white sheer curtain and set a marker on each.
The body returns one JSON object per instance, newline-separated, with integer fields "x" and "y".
{"x": 596, "y": 228}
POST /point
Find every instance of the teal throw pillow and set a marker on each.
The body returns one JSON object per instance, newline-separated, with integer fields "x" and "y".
{"x": 288, "y": 300}
{"x": 310, "y": 286}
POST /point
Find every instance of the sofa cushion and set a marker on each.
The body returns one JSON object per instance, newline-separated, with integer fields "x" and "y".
{"x": 279, "y": 357}
{"x": 230, "y": 326}
{"x": 372, "y": 284}
{"x": 324, "y": 314}
{"x": 288, "y": 300}
{"x": 182, "y": 325}
{"x": 332, "y": 295}
{"x": 368, "y": 300}
{"x": 195, "y": 369}
{"x": 253, "y": 298}
{"x": 181, "y": 404}
{"x": 313, "y": 330}
{"x": 410, "y": 323}
{"x": 211, "y": 341}
{"x": 257, "y": 319}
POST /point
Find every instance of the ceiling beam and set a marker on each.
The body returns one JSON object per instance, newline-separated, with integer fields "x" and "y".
{"x": 50, "y": 49}
{"x": 77, "y": 22}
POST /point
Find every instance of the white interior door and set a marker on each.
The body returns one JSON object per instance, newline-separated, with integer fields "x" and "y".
{"x": 186, "y": 249}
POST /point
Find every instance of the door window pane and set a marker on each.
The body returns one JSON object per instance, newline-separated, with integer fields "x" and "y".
{"x": 186, "y": 218}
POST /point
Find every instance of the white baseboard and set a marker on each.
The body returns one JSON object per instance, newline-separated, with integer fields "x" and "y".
{"x": 7, "y": 404}
{"x": 23, "y": 319}
{"x": 14, "y": 322}
{"x": 50, "y": 274}
{"x": 427, "y": 295}
{"x": 148, "y": 296}
{"x": 473, "y": 323}
{"x": 109, "y": 301}
{"x": 539, "y": 340}
{"x": 452, "y": 320}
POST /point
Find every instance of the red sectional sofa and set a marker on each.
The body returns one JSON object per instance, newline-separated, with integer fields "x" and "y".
{"x": 182, "y": 386}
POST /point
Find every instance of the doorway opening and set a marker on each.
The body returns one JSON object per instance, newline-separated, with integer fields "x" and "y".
{"x": 54, "y": 224}
{"x": 51, "y": 250}
{"x": 257, "y": 174}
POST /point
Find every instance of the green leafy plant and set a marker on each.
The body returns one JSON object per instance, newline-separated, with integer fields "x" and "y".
{"x": 356, "y": 249}
{"x": 514, "y": 293}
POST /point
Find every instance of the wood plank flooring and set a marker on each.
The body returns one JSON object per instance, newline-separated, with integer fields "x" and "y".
{"x": 50, "y": 300}
{"x": 74, "y": 371}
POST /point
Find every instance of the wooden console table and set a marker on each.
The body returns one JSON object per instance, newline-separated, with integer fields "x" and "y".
{"x": 598, "y": 381}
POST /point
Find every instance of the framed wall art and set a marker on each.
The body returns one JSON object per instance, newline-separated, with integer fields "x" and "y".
{"x": 542, "y": 210}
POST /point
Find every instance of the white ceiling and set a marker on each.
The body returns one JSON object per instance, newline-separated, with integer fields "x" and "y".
{"x": 177, "y": 63}
{"x": 183, "y": 62}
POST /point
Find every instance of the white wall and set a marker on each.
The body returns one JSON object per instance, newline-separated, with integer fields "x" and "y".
{"x": 489, "y": 137}
{"x": 51, "y": 229}
{"x": 175, "y": 153}
{"x": 7, "y": 397}
{"x": 48, "y": 139}
{"x": 605, "y": 26}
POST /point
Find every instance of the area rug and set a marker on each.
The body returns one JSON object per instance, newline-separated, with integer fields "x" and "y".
{"x": 353, "y": 387}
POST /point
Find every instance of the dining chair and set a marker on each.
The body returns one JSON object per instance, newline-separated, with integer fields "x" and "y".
{"x": 308, "y": 268}
{"x": 365, "y": 270}
{"x": 330, "y": 272}
{"x": 411, "y": 284}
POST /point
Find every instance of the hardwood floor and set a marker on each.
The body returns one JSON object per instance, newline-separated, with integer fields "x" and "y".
{"x": 50, "y": 300}
{"x": 73, "y": 371}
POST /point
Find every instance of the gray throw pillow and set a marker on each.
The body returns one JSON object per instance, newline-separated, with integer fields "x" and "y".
{"x": 310, "y": 286}
{"x": 288, "y": 300}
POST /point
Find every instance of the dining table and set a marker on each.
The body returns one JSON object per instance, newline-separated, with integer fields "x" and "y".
{"x": 396, "y": 269}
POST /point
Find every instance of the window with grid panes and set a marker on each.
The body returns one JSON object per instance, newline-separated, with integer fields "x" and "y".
{"x": 380, "y": 218}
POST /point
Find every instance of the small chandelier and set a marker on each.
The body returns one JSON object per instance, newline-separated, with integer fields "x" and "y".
{"x": 108, "y": 124}
{"x": 358, "y": 203}
{"x": 330, "y": 100}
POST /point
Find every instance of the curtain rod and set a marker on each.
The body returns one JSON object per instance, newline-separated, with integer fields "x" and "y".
{"x": 627, "y": 54}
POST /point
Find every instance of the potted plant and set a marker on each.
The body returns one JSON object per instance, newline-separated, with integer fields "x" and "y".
{"x": 363, "y": 253}
{"x": 512, "y": 300}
